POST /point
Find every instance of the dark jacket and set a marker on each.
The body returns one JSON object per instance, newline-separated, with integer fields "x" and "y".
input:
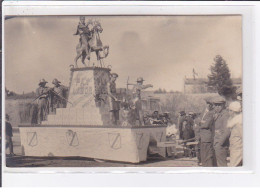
{"x": 187, "y": 129}
{"x": 206, "y": 127}
{"x": 221, "y": 129}
{"x": 8, "y": 129}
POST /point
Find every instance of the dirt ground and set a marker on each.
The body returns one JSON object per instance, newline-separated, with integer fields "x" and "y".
{"x": 22, "y": 161}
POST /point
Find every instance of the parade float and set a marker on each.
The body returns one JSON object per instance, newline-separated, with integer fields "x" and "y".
{"x": 83, "y": 128}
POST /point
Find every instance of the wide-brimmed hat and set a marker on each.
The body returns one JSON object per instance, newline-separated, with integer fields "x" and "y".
{"x": 218, "y": 100}
{"x": 42, "y": 81}
{"x": 140, "y": 79}
{"x": 114, "y": 75}
{"x": 55, "y": 81}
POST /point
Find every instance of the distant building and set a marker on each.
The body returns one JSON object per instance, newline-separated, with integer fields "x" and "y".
{"x": 199, "y": 85}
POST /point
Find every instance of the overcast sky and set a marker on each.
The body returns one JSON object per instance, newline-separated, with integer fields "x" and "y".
{"x": 162, "y": 49}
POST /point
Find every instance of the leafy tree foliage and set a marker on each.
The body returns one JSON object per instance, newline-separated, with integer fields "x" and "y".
{"x": 219, "y": 80}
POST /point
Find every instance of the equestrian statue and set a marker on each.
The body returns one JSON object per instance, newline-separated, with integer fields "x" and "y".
{"x": 90, "y": 41}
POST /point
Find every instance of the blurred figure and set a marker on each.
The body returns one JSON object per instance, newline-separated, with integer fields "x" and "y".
{"x": 114, "y": 103}
{"x": 188, "y": 133}
{"x": 137, "y": 89}
{"x": 9, "y": 135}
{"x": 235, "y": 124}
{"x": 196, "y": 129}
{"x": 206, "y": 135}
{"x": 220, "y": 143}
{"x": 43, "y": 94}
{"x": 132, "y": 114}
{"x": 181, "y": 119}
{"x": 166, "y": 118}
{"x": 59, "y": 95}
{"x": 124, "y": 113}
{"x": 155, "y": 118}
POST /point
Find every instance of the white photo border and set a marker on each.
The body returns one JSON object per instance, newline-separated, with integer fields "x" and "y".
{"x": 250, "y": 169}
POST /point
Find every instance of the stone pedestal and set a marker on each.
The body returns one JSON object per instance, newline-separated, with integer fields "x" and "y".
{"x": 88, "y": 102}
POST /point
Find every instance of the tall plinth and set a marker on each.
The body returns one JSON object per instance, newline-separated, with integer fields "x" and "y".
{"x": 88, "y": 100}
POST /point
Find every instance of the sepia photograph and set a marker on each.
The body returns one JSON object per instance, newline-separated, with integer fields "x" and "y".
{"x": 123, "y": 91}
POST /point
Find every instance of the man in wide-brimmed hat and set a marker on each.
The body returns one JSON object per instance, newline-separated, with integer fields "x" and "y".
{"x": 114, "y": 102}
{"x": 59, "y": 95}
{"x": 137, "y": 97}
{"x": 43, "y": 100}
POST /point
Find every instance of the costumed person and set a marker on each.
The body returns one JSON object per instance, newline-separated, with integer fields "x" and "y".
{"x": 85, "y": 33}
{"x": 124, "y": 113}
{"x": 58, "y": 95}
{"x": 220, "y": 129}
{"x": 83, "y": 29}
{"x": 114, "y": 102}
{"x": 137, "y": 98}
{"x": 43, "y": 93}
{"x": 235, "y": 125}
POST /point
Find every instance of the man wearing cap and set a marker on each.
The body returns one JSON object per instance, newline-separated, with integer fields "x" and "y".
{"x": 137, "y": 98}
{"x": 206, "y": 126}
{"x": 114, "y": 103}
{"x": 221, "y": 118}
{"x": 9, "y": 134}
{"x": 58, "y": 95}
{"x": 43, "y": 100}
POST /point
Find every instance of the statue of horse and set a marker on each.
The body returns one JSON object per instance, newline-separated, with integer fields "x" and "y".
{"x": 91, "y": 43}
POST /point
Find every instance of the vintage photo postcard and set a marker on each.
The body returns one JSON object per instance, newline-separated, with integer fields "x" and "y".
{"x": 123, "y": 91}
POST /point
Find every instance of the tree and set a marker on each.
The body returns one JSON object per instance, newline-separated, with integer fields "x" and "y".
{"x": 219, "y": 80}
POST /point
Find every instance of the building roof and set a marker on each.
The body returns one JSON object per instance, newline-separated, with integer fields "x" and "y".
{"x": 197, "y": 81}
{"x": 200, "y": 81}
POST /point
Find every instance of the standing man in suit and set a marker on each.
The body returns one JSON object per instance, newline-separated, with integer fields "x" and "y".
{"x": 220, "y": 131}
{"x": 9, "y": 134}
{"x": 206, "y": 136}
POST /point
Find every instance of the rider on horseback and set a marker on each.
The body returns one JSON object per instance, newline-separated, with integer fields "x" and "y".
{"x": 90, "y": 41}
{"x": 83, "y": 29}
